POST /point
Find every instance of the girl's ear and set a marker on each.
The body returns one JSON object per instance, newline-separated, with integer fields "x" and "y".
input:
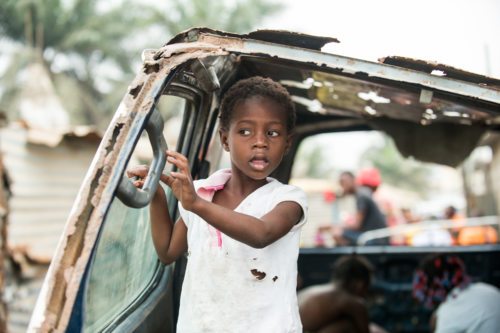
{"x": 223, "y": 139}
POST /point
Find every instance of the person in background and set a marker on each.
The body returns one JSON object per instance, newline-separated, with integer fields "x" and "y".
{"x": 408, "y": 216}
{"x": 418, "y": 235}
{"x": 371, "y": 179}
{"x": 441, "y": 283}
{"x": 339, "y": 306}
{"x": 451, "y": 213}
{"x": 368, "y": 215}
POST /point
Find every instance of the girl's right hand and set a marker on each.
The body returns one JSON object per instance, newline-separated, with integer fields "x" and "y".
{"x": 137, "y": 175}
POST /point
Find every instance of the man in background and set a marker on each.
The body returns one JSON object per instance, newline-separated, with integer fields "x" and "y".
{"x": 367, "y": 217}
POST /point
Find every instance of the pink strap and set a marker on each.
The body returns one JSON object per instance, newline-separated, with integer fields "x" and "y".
{"x": 207, "y": 193}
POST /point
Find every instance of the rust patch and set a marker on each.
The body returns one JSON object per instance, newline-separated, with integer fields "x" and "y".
{"x": 258, "y": 274}
{"x": 192, "y": 50}
{"x": 151, "y": 68}
{"x": 135, "y": 91}
{"x": 223, "y": 42}
{"x": 67, "y": 268}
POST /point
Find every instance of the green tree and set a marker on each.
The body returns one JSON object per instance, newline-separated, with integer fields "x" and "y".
{"x": 238, "y": 16}
{"x": 86, "y": 45}
{"x": 397, "y": 171}
{"x": 74, "y": 41}
{"x": 312, "y": 160}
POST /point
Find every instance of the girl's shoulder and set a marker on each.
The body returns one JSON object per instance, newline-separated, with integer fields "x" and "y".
{"x": 279, "y": 187}
{"x": 285, "y": 192}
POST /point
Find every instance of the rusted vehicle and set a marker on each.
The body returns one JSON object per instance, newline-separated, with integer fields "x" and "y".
{"x": 105, "y": 275}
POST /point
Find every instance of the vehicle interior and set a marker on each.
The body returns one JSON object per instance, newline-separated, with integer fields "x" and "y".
{"x": 126, "y": 288}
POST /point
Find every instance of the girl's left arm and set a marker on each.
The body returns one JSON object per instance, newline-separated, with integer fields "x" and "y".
{"x": 255, "y": 232}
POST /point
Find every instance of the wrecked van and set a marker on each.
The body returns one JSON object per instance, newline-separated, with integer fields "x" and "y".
{"x": 105, "y": 276}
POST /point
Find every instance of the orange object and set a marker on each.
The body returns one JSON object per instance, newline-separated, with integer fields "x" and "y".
{"x": 477, "y": 235}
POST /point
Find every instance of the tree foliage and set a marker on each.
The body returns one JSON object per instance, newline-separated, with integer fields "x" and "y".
{"x": 313, "y": 160}
{"x": 238, "y": 16}
{"x": 395, "y": 169}
{"x": 72, "y": 40}
{"x": 87, "y": 46}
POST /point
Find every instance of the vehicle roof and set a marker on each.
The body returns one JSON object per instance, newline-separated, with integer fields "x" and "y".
{"x": 273, "y": 36}
{"x": 401, "y": 96}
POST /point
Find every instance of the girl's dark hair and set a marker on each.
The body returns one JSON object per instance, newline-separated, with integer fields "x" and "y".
{"x": 256, "y": 86}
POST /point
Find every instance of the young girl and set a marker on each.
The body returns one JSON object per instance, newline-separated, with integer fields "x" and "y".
{"x": 240, "y": 227}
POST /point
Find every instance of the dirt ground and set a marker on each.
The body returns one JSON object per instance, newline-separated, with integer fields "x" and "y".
{"x": 20, "y": 295}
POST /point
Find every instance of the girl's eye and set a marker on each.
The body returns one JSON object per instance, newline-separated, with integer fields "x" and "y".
{"x": 273, "y": 134}
{"x": 244, "y": 132}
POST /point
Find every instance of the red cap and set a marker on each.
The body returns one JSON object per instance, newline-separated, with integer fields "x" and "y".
{"x": 369, "y": 177}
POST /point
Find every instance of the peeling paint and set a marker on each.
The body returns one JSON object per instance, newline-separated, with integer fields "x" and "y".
{"x": 221, "y": 42}
{"x": 135, "y": 91}
{"x": 151, "y": 68}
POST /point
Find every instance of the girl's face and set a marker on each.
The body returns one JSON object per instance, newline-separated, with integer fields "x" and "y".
{"x": 257, "y": 137}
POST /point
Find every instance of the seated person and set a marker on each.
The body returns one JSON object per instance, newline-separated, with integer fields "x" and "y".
{"x": 338, "y": 306}
{"x": 442, "y": 283}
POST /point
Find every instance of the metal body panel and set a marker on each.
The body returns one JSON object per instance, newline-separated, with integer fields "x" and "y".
{"x": 345, "y": 64}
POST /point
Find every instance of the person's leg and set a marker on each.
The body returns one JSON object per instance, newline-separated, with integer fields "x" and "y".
{"x": 339, "y": 326}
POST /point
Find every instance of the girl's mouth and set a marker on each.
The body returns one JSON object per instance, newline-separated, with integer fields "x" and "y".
{"x": 259, "y": 163}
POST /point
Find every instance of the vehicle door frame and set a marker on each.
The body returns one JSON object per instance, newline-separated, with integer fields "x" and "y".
{"x": 64, "y": 283}
{"x": 160, "y": 300}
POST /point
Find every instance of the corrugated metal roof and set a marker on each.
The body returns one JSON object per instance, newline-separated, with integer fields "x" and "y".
{"x": 39, "y": 104}
{"x": 46, "y": 174}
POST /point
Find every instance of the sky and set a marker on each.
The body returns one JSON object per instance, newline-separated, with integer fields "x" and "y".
{"x": 460, "y": 33}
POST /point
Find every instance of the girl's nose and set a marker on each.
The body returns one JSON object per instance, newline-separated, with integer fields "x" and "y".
{"x": 260, "y": 140}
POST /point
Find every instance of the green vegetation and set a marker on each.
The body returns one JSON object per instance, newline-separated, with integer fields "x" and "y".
{"x": 89, "y": 48}
{"x": 404, "y": 173}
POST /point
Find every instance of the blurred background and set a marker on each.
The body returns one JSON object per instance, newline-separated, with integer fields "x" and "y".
{"x": 65, "y": 65}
